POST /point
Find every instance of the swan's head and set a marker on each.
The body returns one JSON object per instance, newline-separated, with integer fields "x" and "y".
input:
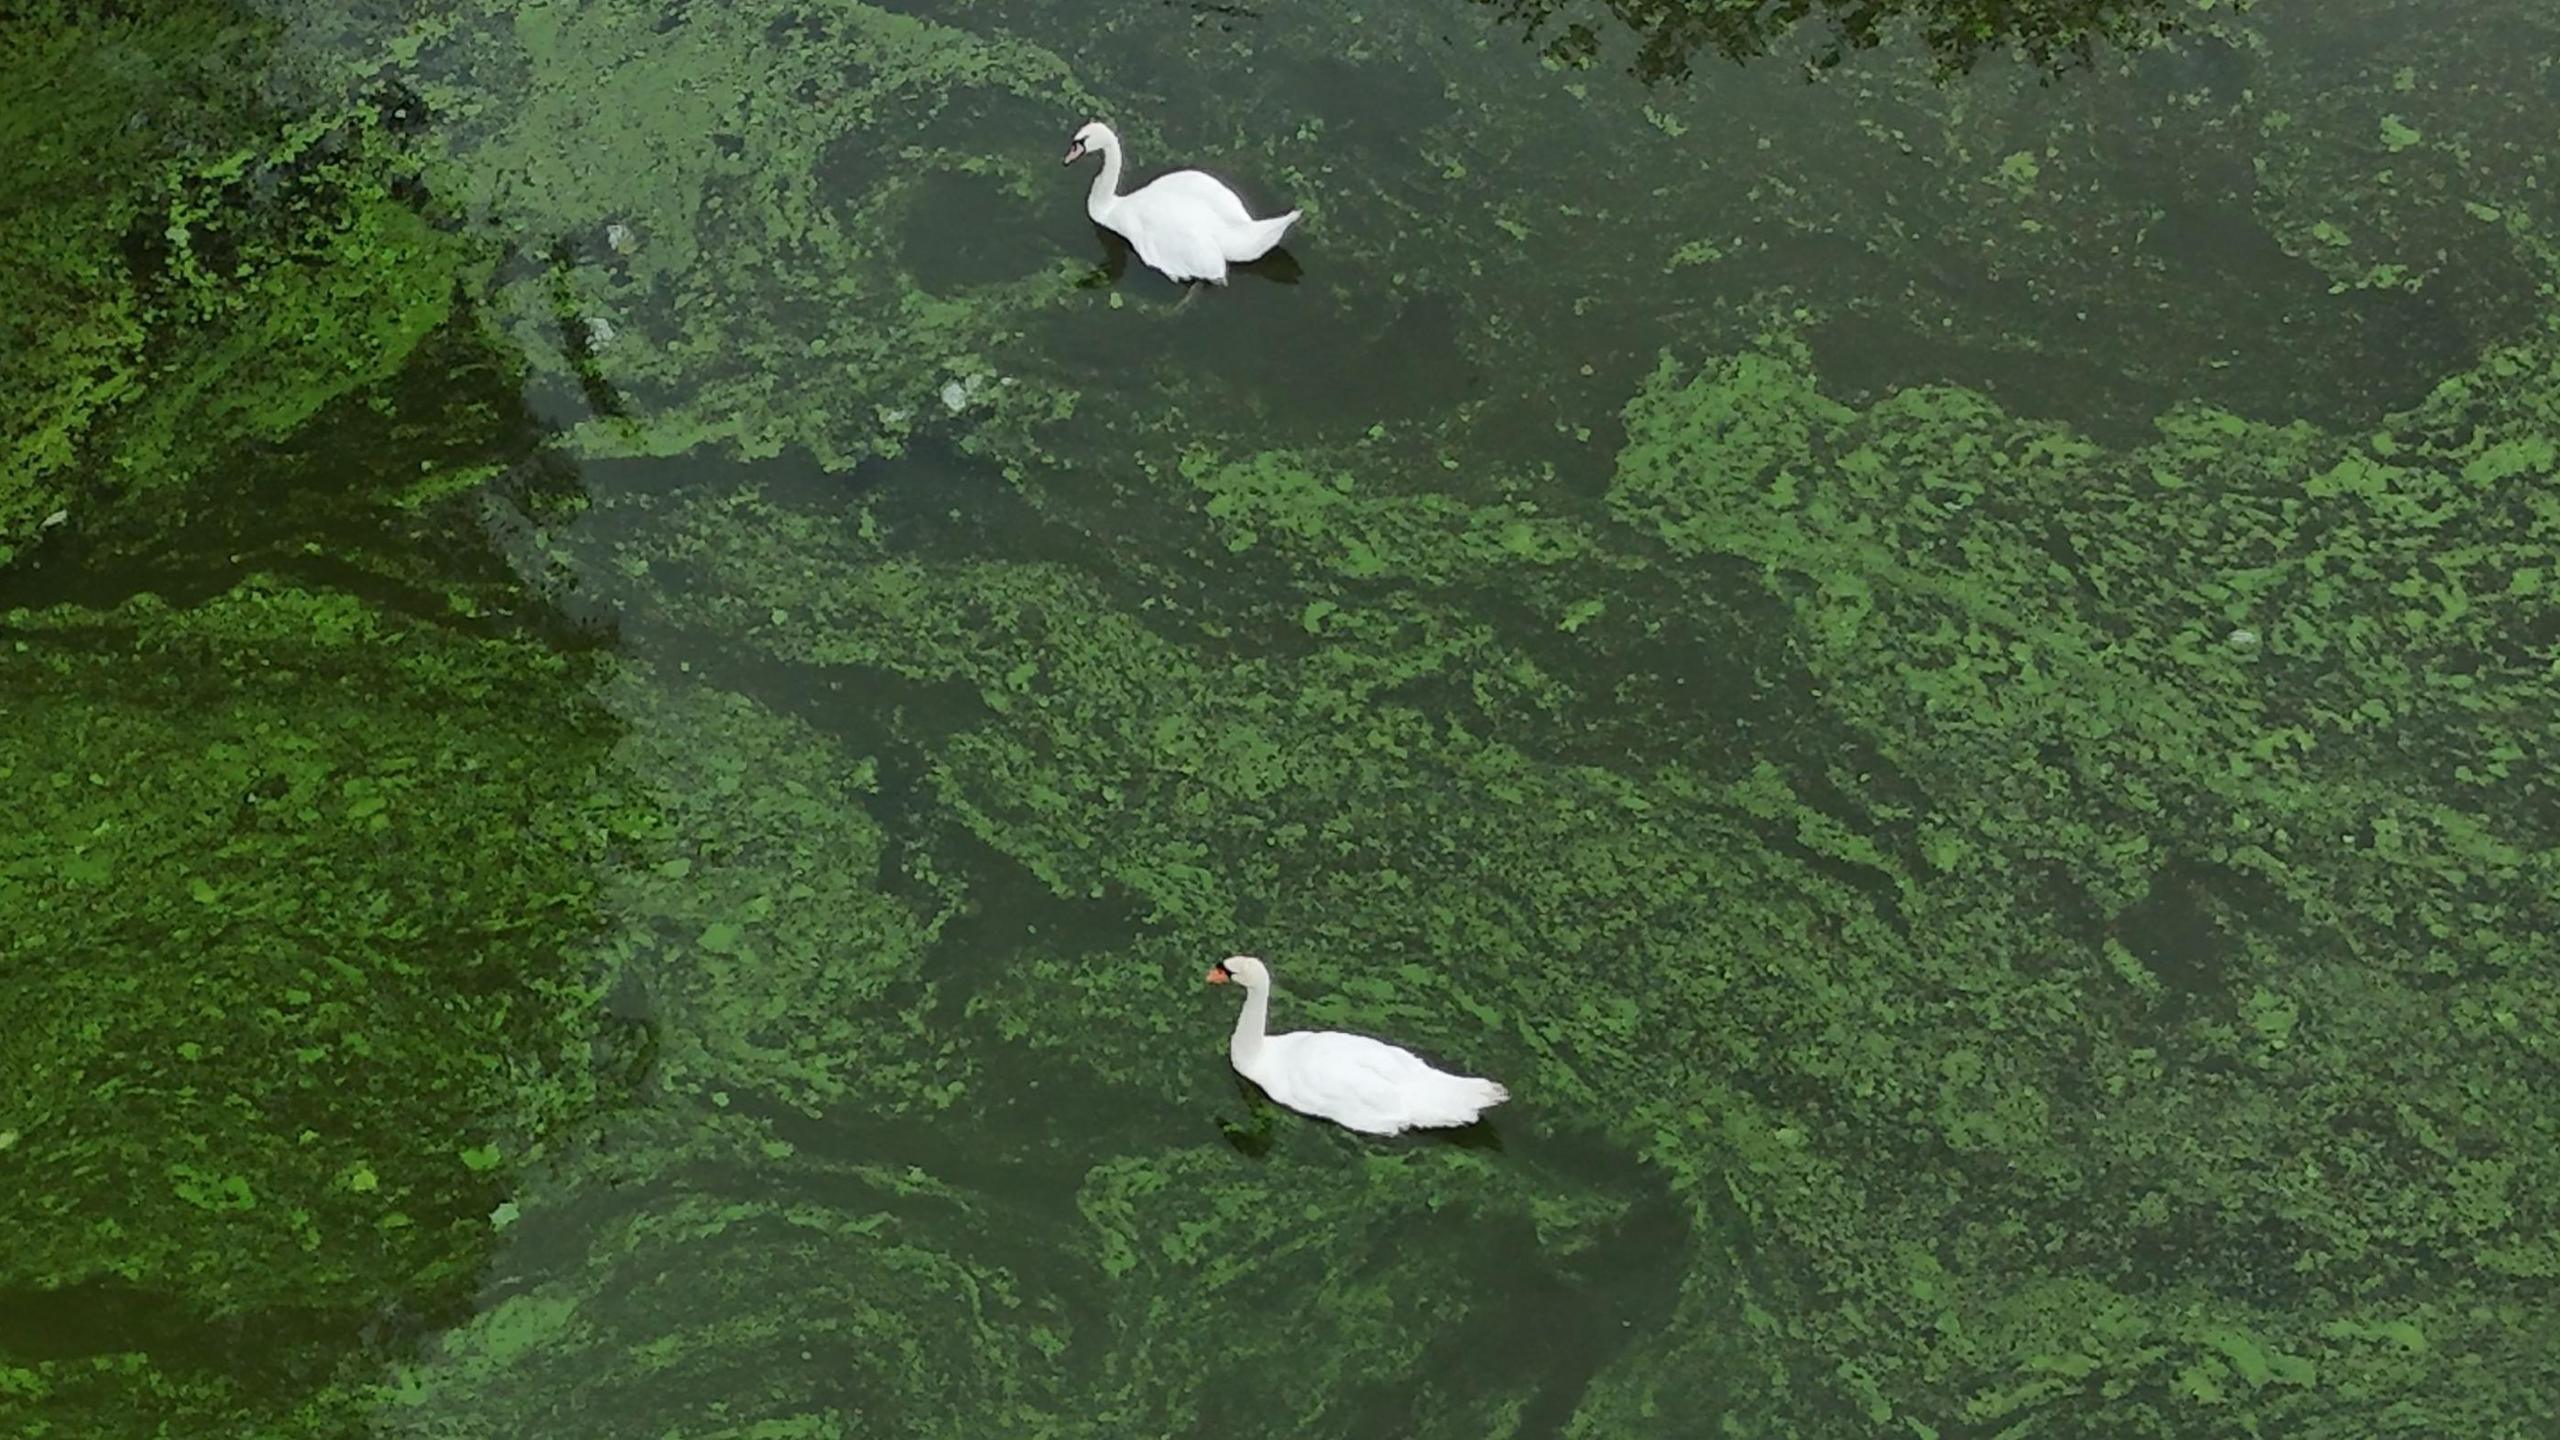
{"x": 1094, "y": 136}
{"x": 1244, "y": 970}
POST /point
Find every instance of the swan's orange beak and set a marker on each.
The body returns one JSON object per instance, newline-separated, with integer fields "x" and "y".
{"x": 1075, "y": 152}
{"x": 1218, "y": 975}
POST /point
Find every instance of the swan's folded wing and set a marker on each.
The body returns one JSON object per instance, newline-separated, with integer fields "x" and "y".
{"x": 1201, "y": 196}
{"x": 1361, "y": 1082}
{"x": 1183, "y": 254}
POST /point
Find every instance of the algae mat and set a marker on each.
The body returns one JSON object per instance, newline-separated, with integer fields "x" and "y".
{"x": 640, "y": 673}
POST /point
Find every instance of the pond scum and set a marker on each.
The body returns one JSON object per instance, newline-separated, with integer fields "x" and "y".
{"x": 1950, "y": 673}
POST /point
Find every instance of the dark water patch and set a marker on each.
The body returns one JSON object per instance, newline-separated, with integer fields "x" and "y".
{"x": 2283, "y": 348}
{"x": 900, "y": 724}
{"x": 1549, "y": 1333}
{"x": 1255, "y": 1136}
{"x": 2177, "y": 934}
{"x": 975, "y": 122}
{"x": 1372, "y": 111}
{"x": 1281, "y": 351}
{"x": 1864, "y": 358}
{"x": 99, "y": 1318}
{"x": 1010, "y": 915}
{"x": 1003, "y": 1164}
{"x": 937, "y": 505}
{"x": 2197, "y": 67}
{"x": 962, "y": 231}
{"x": 2235, "y": 1254}
{"x": 2254, "y": 327}
{"x": 1226, "y": 15}
{"x": 1139, "y": 538}
{"x": 1673, "y": 668}
{"x": 324, "y": 506}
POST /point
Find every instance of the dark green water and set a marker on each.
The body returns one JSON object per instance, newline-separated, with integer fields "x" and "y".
{"x": 1929, "y": 625}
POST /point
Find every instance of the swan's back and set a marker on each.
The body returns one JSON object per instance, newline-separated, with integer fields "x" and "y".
{"x": 1191, "y": 196}
{"x": 1368, "y": 1085}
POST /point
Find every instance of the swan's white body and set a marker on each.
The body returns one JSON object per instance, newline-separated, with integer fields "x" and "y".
{"x": 1186, "y": 224}
{"x": 1356, "y": 1082}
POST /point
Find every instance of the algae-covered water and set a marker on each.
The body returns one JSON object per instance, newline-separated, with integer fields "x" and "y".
{"x": 640, "y": 673}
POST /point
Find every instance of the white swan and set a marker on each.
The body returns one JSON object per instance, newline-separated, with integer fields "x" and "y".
{"x": 1363, "y": 1084}
{"x": 1185, "y": 224}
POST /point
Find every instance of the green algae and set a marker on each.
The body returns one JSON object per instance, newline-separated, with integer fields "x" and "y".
{"x": 766, "y": 171}
{"x": 770, "y": 959}
{"x": 882, "y": 1297}
{"x": 302, "y": 917}
{"x": 1470, "y": 202}
{"x": 857, "y": 1299}
{"x": 2121, "y": 761}
{"x": 293, "y": 1019}
{"x": 1670, "y": 38}
{"x": 217, "y": 278}
{"x": 1388, "y": 809}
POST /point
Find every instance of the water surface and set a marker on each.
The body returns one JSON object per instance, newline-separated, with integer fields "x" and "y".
{"x": 659, "y": 669}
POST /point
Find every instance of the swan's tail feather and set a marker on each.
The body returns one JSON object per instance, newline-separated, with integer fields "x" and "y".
{"x": 1458, "y": 1100}
{"x": 1259, "y": 240}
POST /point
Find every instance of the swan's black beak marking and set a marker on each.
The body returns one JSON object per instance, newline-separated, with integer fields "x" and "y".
{"x": 1219, "y": 975}
{"x": 1075, "y": 152}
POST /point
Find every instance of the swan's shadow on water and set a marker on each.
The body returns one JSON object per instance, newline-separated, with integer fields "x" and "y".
{"x": 1279, "y": 267}
{"x": 1477, "y": 1135}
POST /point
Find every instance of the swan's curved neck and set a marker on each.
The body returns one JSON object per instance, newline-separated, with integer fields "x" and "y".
{"x": 1106, "y": 184}
{"x": 1246, "y": 1043}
